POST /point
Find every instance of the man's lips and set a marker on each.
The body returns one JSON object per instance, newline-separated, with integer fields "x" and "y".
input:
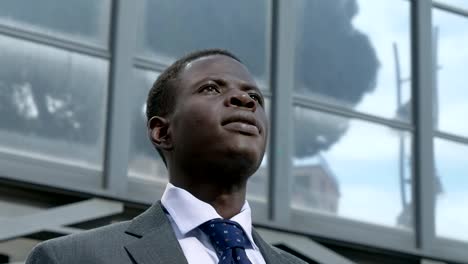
{"x": 243, "y": 123}
{"x": 242, "y": 127}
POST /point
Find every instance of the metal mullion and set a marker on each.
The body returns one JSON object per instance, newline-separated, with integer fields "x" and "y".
{"x": 423, "y": 159}
{"x": 451, "y": 137}
{"x": 123, "y": 39}
{"x": 451, "y": 249}
{"x": 282, "y": 83}
{"x": 147, "y": 64}
{"x": 350, "y": 113}
{"x": 56, "y": 42}
{"x": 451, "y": 9}
{"x": 33, "y": 170}
{"x": 269, "y": 44}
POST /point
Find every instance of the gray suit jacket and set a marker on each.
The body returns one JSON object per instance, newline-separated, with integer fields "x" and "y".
{"x": 147, "y": 239}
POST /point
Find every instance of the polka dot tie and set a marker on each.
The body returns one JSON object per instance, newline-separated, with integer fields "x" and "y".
{"x": 228, "y": 239}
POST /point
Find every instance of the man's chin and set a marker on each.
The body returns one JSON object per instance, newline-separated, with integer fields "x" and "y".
{"x": 246, "y": 162}
{"x": 236, "y": 164}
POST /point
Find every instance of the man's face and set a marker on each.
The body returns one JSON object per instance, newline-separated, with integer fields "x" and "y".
{"x": 219, "y": 118}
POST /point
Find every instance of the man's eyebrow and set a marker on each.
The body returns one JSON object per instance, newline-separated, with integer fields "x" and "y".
{"x": 204, "y": 80}
{"x": 248, "y": 86}
{"x": 245, "y": 86}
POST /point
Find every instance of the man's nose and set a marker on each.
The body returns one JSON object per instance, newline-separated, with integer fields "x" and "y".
{"x": 241, "y": 99}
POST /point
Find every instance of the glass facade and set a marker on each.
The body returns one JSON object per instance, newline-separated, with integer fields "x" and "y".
{"x": 354, "y": 100}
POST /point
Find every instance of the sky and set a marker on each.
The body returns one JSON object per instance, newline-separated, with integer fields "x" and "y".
{"x": 365, "y": 160}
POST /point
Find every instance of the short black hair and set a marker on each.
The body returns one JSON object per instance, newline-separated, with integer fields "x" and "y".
{"x": 161, "y": 98}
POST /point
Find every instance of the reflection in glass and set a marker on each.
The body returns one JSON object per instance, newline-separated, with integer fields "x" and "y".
{"x": 450, "y": 42}
{"x": 145, "y": 162}
{"x": 451, "y": 161}
{"x": 355, "y": 54}
{"x": 83, "y": 20}
{"x": 363, "y": 173}
{"x": 173, "y": 28}
{"x": 52, "y": 103}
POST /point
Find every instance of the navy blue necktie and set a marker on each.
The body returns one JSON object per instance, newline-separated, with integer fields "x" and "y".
{"x": 228, "y": 239}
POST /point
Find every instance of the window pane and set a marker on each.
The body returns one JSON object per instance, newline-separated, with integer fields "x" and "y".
{"x": 451, "y": 161}
{"x": 145, "y": 162}
{"x": 83, "y": 20}
{"x": 355, "y": 54}
{"x": 450, "y": 40}
{"x": 173, "y": 28}
{"x": 352, "y": 169}
{"x": 52, "y": 103}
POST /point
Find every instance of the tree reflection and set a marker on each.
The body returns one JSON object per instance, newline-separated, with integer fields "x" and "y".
{"x": 50, "y": 94}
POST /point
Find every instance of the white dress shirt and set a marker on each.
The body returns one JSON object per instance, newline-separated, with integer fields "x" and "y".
{"x": 186, "y": 213}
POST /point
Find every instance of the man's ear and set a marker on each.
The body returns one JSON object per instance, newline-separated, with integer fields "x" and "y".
{"x": 159, "y": 132}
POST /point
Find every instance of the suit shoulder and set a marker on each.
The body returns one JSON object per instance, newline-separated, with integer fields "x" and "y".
{"x": 290, "y": 257}
{"x": 41, "y": 253}
{"x": 97, "y": 235}
{"x": 80, "y": 246}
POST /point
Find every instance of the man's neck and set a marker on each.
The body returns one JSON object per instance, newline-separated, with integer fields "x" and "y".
{"x": 226, "y": 200}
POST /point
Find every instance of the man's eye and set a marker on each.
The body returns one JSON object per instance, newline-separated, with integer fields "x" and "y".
{"x": 210, "y": 89}
{"x": 257, "y": 98}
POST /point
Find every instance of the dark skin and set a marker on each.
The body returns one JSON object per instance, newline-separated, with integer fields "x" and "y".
{"x": 215, "y": 138}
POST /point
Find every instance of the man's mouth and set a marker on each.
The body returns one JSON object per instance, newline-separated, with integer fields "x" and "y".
{"x": 242, "y": 123}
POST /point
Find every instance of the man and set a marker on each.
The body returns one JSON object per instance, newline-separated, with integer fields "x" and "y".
{"x": 206, "y": 118}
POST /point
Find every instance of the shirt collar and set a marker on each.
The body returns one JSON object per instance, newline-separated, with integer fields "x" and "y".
{"x": 188, "y": 212}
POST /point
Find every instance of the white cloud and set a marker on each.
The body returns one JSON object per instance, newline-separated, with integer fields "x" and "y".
{"x": 452, "y": 216}
{"x": 366, "y": 142}
{"x": 449, "y": 152}
{"x": 370, "y": 204}
{"x": 453, "y": 118}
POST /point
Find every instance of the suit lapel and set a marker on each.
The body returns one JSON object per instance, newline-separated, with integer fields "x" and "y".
{"x": 157, "y": 242}
{"x": 270, "y": 255}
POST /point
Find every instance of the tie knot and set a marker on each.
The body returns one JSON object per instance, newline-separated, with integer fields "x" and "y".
{"x": 225, "y": 234}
